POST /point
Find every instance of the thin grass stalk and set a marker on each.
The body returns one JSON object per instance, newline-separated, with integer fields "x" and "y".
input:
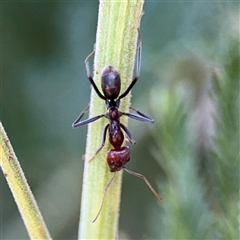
{"x": 115, "y": 45}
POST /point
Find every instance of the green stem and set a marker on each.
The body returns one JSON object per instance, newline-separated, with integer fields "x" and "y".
{"x": 115, "y": 45}
{"x": 21, "y": 192}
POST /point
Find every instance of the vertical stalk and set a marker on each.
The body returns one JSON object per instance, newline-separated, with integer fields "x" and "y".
{"x": 115, "y": 45}
{"x": 20, "y": 189}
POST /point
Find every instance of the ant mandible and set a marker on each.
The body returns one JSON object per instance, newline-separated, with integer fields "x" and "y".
{"x": 111, "y": 85}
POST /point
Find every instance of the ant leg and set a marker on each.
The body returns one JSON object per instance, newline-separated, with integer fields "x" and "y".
{"x": 145, "y": 180}
{"x": 103, "y": 142}
{"x": 132, "y": 141}
{"x": 89, "y": 120}
{"x": 139, "y": 54}
{"x": 141, "y": 114}
{"x": 81, "y": 115}
{"x": 90, "y": 76}
{"x": 140, "y": 117}
{"x": 138, "y": 66}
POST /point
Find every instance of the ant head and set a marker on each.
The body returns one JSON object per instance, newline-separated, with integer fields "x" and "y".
{"x": 117, "y": 159}
{"x": 110, "y": 82}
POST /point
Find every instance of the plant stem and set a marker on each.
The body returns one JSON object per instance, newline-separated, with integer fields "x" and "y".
{"x": 115, "y": 45}
{"x": 21, "y": 192}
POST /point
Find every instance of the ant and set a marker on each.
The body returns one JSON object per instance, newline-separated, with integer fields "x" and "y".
{"x": 111, "y": 85}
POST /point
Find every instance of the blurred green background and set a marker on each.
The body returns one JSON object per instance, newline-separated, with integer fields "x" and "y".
{"x": 189, "y": 84}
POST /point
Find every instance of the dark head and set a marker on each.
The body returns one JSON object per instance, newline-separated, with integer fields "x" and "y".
{"x": 117, "y": 159}
{"x": 110, "y": 82}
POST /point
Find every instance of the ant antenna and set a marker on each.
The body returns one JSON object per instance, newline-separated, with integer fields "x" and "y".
{"x": 105, "y": 191}
{"x": 145, "y": 180}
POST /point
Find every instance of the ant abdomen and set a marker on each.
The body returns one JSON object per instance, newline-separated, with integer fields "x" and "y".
{"x": 110, "y": 82}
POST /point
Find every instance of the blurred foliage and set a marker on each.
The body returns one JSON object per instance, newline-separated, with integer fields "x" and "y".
{"x": 189, "y": 83}
{"x": 201, "y": 180}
